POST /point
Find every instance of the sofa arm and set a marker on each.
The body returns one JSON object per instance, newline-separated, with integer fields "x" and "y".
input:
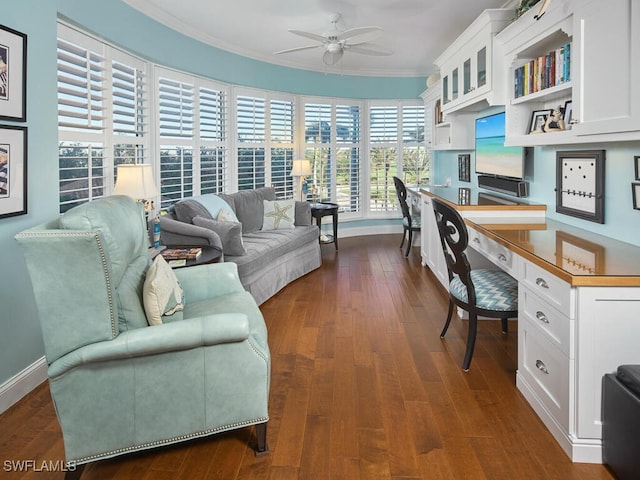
{"x": 202, "y": 282}
{"x": 169, "y": 337}
{"x": 302, "y": 214}
{"x": 176, "y": 233}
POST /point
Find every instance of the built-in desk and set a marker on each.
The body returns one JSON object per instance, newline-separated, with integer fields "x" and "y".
{"x": 578, "y": 310}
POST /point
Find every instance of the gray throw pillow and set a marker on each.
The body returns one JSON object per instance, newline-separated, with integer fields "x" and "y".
{"x": 230, "y": 234}
{"x": 187, "y": 210}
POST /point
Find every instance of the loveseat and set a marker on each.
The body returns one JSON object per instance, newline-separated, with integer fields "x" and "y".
{"x": 271, "y": 248}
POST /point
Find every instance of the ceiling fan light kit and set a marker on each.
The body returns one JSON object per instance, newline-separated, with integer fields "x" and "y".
{"x": 335, "y": 41}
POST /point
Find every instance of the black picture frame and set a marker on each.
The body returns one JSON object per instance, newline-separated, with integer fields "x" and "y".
{"x": 13, "y": 75}
{"x": 580, "y": 184}
{"x": 567, "y": 116}
{"x": 13, "y": 171}
{"x": 636, "y": 164}
{"x": 635, "y": 193}
{"x": 538, "y": 119}
{"x": 464, "y": 167}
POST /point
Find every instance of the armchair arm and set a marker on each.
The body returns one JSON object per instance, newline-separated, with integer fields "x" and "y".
{"x": 202, "y": 282}
{"x": 175, "y": 232}
{"x": 169, "y": 337}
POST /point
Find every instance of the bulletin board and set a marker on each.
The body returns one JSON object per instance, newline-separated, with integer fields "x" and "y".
{"x": 580, "y": 184}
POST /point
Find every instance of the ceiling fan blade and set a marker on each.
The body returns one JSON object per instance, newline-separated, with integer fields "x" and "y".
{"x": 360, "y": 34}
{"x": 312, "y": 36}
{"x": 378, "y": 52}
{"x": 297, "y": 49}
{"x": 331, "y": 58}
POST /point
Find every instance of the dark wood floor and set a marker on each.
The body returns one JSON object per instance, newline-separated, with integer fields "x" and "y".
{"x": 362, "y": 388}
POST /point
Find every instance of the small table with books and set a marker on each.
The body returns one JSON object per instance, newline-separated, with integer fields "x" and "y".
{"x": 178, "y": 257}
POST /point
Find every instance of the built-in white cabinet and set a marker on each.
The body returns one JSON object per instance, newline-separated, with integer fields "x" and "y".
{"x": 470, "y": 67}
{"x": 448, "y": 132}
{"x": 430, "y": 246}
{"x": 604, "y": 63}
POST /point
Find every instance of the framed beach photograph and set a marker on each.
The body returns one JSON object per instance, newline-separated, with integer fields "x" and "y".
{"x": 13, "y": 171}
{"x": 13, "y": 75}
{"x": 538, "y": 119}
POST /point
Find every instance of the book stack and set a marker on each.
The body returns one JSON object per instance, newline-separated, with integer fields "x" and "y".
{"x": 543, "y": 72}
{"x": 189, "y": 253}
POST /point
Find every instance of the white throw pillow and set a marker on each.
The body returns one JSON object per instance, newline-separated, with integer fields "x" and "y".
{"x": 162, "y": 294}
{"x": 225, "y": 215}
{"x": 279, "y": 214}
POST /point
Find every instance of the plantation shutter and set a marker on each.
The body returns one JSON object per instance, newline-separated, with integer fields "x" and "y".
{"x": 213, "y": 136}
{"x": 251, "y": 141}
{"x": 282, "y": 130}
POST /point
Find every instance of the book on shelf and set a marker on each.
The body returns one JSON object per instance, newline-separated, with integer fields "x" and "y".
{"x": 543, "y": 72}
{"x": 190, "y": 253}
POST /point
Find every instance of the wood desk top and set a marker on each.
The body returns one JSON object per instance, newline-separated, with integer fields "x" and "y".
{"x": 477, "y": 200}
{"x": 579, "y": 257}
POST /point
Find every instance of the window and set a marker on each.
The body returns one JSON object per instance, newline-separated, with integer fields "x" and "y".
{"x": 397, "y": 148}
{"x": 333, "y": 145}
{"x": 212, "y": 138}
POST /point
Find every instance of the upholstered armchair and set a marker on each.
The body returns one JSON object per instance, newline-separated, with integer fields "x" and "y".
{"x": 118, "y": 384}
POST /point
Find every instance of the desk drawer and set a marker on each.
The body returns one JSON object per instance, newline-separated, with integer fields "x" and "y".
{"x": 549, "y": 287}
{"x": 546, "y": 370}
{"x": 554, "y": 325}
{"x": 496, "y": 253}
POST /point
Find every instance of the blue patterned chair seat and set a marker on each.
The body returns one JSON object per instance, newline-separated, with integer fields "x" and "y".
{"x": 415, "y": 222}
{"x": 495, "y": 290}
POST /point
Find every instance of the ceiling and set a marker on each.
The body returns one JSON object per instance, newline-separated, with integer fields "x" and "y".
{"x": 416, "y": 31}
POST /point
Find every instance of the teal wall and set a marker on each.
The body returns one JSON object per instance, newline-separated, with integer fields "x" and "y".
{"x": 20, "y": 340}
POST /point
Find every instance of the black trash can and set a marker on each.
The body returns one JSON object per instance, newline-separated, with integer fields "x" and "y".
{"x": 621, "y": 422}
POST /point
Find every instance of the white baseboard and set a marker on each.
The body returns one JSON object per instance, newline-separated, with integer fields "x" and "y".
{"x": 345, "y": 231}
{"x": 14, "y": 389}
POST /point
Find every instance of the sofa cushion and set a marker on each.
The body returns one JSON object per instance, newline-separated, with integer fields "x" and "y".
{"x": 278, "y": 214}
{"x": 265, "y": 246}
{"x": 162, "y": 294}
{"x": 207, "y": 206}
{"x": 249, "y": 208}
{"x": 230, "y": 234}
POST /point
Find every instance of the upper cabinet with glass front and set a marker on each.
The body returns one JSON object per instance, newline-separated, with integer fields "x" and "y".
{"x": 470, "y": 68}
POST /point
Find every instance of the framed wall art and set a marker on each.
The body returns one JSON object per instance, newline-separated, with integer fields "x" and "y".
{"x": 13, "y": 171}
{"x": 636, "y": 165}
{"x": 580, "y": 184}
{"x": 464, "y": 167}
{"x": 635, "y": 193}
{"x": 13, "y": 75}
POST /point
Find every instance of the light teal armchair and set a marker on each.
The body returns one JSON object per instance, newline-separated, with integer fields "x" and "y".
{"x": 119, "y": 385}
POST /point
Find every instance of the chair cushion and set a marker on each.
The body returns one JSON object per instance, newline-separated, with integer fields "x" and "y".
{"x": 415, "y": 222}
{"x": 495, "y": 290}
{"x": 230, "y": 234}
{"x": 162, "y": 294}
{"x": 278, "y": 214}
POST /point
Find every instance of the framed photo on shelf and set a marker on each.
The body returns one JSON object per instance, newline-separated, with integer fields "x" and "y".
{"x": 635, "y": 192}
{"x": 464, "y": 167}
{"x": 568, "y": 113}
{"x": 580, "y": 184}
{"x": 538, "y": 119}
{"x": 13, "y": 75}
{"x": 636, "y": 164}
{"x": 13, "y": 171}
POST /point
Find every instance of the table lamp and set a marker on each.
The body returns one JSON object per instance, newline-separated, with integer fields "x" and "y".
{"x": 299, "y": 170}
{"x": 136, "y": 181}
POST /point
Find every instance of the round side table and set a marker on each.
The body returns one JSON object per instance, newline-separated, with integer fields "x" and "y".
{"x": 322, "y": 209}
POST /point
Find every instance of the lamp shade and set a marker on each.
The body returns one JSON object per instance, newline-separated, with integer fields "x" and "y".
{"x": 136, "y": 181}
{"x": 301, "y": 168}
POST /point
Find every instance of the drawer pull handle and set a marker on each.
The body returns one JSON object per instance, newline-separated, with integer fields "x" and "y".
{"x": 542, "y": 367}
{"x": 542, "y": 283}
{"x": 502, "y": 257}
{"x": 476, "y": 240}
{"x": 542, "y": 317}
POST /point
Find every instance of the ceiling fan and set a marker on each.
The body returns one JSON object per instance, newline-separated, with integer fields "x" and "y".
{"x": 336, "y": 41}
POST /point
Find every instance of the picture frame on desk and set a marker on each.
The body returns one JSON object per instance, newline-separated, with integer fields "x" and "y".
{"x": 568, "y": 114}
{"x": 580, "y": 184}
{"x": 538, "y": 119}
